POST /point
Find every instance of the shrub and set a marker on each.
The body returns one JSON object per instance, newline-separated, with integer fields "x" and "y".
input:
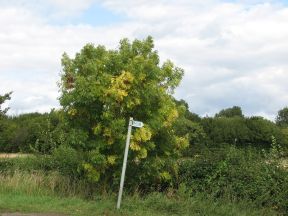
{"x": 66, "y": 160}
{"x": 238, "y": 174}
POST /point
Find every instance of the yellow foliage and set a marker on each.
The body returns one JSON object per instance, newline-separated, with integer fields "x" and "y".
{"x": 120, "y": 86}
{"x": 172, "y": 116}
{"x": 142, "y": 76}
{"x": 111, "y": 159}
{"x": 97, "y": 129}
{"x": 142, "y": 134}
{"x": 165, "y": 176}
{"x": 133, "y": 102}
{"x": 134, "y": 146}
{"x": 142, "y": 153}
{"x": 182, "y": 142}
{"x": 107, "y": 132}
{"x": 92, "y": 173}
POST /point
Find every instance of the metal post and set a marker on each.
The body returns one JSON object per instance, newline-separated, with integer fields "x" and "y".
{"x": 124, "y": 162}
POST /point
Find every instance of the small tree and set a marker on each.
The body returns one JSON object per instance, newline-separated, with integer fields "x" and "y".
{"x": 3, "y": 98}
{"x": 282, "y": 117}
{"x": 101, "y": 89}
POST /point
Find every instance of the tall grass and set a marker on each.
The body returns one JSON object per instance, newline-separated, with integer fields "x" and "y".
{"x": 40, "y": 183}
{"x": 51, "y": 192}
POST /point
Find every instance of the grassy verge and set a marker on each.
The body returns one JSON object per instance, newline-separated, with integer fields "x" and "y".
{"x": 24, "y": 192}
{"x": 155, "y": 204}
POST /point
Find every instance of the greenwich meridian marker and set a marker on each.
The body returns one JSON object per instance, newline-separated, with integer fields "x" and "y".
{"x": 131, "y": 124}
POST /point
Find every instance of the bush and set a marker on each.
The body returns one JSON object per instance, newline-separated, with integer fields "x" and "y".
{"x": 66, "y": 160}
{"x": 237, "y": 174}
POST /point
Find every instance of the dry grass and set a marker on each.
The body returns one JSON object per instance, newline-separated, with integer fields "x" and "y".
{"x": 13, "y": 155}
{"x": 39, "y": 182}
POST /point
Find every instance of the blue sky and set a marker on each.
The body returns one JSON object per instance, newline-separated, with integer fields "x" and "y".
{"x": 95, "y": 15}
{"x": 233, "y": 52}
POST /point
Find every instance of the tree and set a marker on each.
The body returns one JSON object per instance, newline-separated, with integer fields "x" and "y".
{"x": 3, "y": 118}
{"x": 101, "y": 89}
{"x": 282, "y": 117}
{"x": 189, "y": 124}
{"x": 232, "y": 130}
{"x": 3, "y": 98}
{"x": 262, "y": 130}
{"x": 230, "y": 112}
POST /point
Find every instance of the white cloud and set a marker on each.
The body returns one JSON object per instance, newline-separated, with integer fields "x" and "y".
{"x": 232, "y": 53}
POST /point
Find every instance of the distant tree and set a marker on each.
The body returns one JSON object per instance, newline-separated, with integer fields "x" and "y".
{"x": 232, "y": 130}
{"x": 188, "y": 123}
{"x": 3, "y": 118}
{"x": 188, "y": 115}
{"x": 230, "y": 112}
{"x": 262, "y": 130}
{"x": 3, "y": 98}
{"x": 282, "y": 117}
{"x": 254, "y": 131}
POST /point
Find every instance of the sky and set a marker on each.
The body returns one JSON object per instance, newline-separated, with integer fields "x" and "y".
{"x": 234, "y": 52}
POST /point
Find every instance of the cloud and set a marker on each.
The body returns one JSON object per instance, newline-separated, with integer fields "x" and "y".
{"x": 233, "y": 52}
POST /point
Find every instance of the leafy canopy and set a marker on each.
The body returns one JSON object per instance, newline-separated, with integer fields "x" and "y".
{"x": 102, "y": 88}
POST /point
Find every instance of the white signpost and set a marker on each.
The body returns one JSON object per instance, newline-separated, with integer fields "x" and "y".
{"x": 131, "y": 124}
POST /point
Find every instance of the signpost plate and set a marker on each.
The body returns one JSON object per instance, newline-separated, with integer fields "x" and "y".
{"x": 137, "y": 124}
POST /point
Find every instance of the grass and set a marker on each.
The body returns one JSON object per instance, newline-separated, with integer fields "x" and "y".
{"x": 37, "y": 192}
{"x": 155, "y": 204}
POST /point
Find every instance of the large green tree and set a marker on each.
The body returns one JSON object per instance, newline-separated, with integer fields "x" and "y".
{"x": 101, "y": 89}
